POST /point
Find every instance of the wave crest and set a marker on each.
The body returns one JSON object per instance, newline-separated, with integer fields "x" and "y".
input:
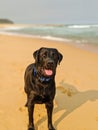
{"x": 82, "y": 26}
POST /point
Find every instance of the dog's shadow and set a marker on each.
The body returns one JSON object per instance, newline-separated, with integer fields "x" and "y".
{"x": 68, "y": 98}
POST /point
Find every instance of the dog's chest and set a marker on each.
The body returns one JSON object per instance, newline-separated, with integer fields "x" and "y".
{"x": 40, "y": 100}
{"x": 43, "y": 95}
{"x": 44, "y": 92}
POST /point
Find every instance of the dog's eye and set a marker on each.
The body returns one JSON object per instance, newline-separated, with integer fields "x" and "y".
{"x": 53, "y": 54}
{"x": 44, "y": 55}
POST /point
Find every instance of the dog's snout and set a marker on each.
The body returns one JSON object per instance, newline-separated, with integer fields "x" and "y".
{"x": 50, "y": 63}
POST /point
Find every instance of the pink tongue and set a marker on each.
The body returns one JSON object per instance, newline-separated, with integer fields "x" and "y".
{"x": 48, "y": 72}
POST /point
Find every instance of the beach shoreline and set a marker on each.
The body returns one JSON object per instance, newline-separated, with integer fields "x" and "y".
{"x": 9, "y": 29}
{"x": 76, "y": 100}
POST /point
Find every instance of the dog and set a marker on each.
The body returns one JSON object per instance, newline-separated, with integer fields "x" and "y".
{"x": 40, "y": 82}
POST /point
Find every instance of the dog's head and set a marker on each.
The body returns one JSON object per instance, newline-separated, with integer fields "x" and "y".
{"x": 46, "y": 60}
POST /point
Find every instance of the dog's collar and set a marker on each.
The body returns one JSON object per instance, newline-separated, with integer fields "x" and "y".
{"x": 41, "y": 78}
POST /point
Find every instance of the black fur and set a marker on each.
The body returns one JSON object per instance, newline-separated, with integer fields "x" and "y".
{"x": 40, "y": 82}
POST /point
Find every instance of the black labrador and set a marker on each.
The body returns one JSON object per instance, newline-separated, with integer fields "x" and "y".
{"x": 40, "y": 82}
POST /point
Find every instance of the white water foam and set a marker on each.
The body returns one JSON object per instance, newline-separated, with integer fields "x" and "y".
{"x": 56, "y": 38}
{"x": 36, "y": 36}
{"x": 78, "y": 44}
{"x": 82, "y": 26}
{"x": 11, "y": 28}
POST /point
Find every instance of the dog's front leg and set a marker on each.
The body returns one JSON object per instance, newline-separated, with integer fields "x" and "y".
{"x": 30, "y": 113}
{"x": 49, "y": 107}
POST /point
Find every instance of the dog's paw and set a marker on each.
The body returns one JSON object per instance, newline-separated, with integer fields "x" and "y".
{"x": 51, "y": 128}
{"x": 31, "y": 128}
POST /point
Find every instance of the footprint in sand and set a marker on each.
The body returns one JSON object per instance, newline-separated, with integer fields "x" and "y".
{"x": 22, "y": 109}
{"x": 67, "y": 89}
{"x": 69, "y": 92}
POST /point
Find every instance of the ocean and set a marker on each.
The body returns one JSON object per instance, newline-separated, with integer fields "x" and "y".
{"x": 80, "y": 35}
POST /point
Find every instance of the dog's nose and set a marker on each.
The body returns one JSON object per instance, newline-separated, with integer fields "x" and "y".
{"x": 50, "y": 64}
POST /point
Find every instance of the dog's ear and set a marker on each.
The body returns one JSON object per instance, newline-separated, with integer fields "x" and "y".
{"x": 36, "y": 55}
{"x": 60, "y": 57}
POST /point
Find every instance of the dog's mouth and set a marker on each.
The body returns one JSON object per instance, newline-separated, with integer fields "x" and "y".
{"x": 48, "y": 72}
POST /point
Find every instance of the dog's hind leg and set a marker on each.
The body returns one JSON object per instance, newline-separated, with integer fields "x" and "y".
{"x": 26, "y": 105}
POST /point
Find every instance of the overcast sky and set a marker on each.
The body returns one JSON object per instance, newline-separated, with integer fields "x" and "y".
{"x": 50, "y": 11}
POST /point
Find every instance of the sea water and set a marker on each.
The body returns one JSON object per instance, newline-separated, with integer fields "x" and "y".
{"x": 77, "y": 34}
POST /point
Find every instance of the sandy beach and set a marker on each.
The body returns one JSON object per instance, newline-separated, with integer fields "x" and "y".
{"x": 76, "y": 100}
